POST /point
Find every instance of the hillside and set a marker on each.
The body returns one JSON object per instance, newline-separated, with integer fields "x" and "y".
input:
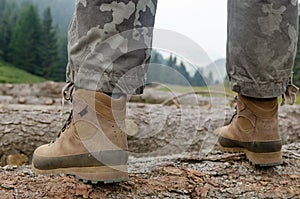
{"x": 11, "y": 74}
{"x": 217, "y": 69}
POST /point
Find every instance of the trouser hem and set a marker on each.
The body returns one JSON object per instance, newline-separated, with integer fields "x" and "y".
{"x": 262, "y": 90}
{"x": 128, "y": 86}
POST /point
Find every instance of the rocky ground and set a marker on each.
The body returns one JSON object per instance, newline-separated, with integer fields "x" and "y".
{"x": 187, "y": 173}
{"x": 217, "y": 175}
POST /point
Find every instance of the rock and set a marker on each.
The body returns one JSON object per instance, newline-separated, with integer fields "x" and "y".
{"x": 131, "y": 128}
{"x": 7, "y": 184}
{"x": 140, "y": 105}
{"x": 10, "y": 86}
{"x": 264, "y": 183}
{"x": 9, "y": 168}
{"x": 173, "y": 170}
{"x": 82, "y": 190}
{"x": 203, "y": 192}
{"x": 17, "y": 159}
{"x": 49, "y": 102}
{"x": 22, "y": 100}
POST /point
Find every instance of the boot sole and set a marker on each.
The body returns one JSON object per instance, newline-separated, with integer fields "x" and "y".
{"x": 257, "y": 159}
{"x": 94, "y": 175}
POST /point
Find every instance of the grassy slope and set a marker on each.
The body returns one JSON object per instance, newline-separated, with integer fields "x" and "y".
{"x": 182, "y": 89}
{"x": 11, "y": 74}
{"x": 219, "y": 87}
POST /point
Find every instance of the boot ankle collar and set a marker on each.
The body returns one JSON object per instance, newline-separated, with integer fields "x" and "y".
{"x": 258, "y": 108}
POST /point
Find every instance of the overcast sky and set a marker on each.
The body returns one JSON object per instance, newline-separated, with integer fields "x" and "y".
{"x": 203, "y": 21}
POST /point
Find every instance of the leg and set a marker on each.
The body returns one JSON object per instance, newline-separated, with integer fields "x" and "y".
{"x": 109, "y": 40}
{"x": 109, "y": 49}
{"x": 261, "y": 48}
{"x": 109, "y": 45}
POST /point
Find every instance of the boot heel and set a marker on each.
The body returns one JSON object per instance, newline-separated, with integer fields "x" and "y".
{"x": 264, "y": 159}
{"x": 105, "y": 174}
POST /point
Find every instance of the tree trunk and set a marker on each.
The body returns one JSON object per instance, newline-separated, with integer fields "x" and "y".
{"x": 152, "y": 129}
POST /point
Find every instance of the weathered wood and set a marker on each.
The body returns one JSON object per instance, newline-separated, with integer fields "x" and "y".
{"x": 153, "y": 129}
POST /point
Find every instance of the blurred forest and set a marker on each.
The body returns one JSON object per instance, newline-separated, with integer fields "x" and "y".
{"x": 32, "y": 39}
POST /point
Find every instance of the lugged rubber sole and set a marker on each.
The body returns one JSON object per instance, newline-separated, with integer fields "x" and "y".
{"x": 258, "y": 159}
{"x": 105, "y": 174}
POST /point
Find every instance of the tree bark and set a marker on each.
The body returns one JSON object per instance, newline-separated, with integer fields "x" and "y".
{"x": 152, "y": 129}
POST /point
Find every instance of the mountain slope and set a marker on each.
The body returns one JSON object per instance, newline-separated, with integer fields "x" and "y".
{"x": 11, "y": 74}
{"x": 217, "y": 69}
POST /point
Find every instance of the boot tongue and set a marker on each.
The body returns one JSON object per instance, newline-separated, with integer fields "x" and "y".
{"x": 260, "y": 107}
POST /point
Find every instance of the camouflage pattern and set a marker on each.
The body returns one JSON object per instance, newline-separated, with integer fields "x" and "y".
{"x": 261, "y": 46}
{"x": 110, "y": 44}
{"x": 110, "y": 41}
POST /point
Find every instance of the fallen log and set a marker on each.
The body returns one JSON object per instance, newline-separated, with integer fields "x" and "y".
{"x": 49, "y": 93}
{"x": 153, "y": 129}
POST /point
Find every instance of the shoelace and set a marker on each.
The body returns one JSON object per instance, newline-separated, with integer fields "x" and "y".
{"x": 235, "y": 111}
{"x": 67, "y": 93}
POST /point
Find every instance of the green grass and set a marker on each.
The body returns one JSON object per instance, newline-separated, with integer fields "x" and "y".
{"x": 11, "y": 74}
{"x": 183, "y": 89}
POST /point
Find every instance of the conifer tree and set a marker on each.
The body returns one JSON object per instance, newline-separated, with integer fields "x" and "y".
{"x": 198, "y": 79}
{"x": 25, "y": 46}
{"x": 49, "y": 49}
{"x": 2, "y": 6}
{"x": 8, "y": 15}
{"x": 60, "y": 74}
{"x": 182, "y": 70}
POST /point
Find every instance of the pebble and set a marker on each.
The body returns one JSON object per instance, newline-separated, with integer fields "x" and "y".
{"x": 227, "y": 164}
{"x": 49, "y": 102}
{"x": 264, "y": 183}
{"x": 257, "y": 177}
{"x": 240, "y": 184}
{"x": 9, "y": 168}
{"x": 10, "y": 86}
{"x": 22, "y": 100}
{"x": 7, "y": 186}
{"x": 140, "y": 105}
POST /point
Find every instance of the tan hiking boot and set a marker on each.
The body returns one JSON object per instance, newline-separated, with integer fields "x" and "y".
{"x": 93, "y": 145}
{"x": 254, "y": 131}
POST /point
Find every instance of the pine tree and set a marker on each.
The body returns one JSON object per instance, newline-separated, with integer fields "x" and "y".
{"x": 25, "y": 46}
{"x": 63, "y": 57}
{"x": 198, "y": 79}
{"x": 7, "y": 23}
{"x": 155, "y": 70}
{"x": 210, "y": 78}
{"x": 49, "y": 48}
{"x": 2, "y": 6}
{"x": 183, "y": 72}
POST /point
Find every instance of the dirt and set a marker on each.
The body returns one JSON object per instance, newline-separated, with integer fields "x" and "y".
{"x": 217, "y": 175}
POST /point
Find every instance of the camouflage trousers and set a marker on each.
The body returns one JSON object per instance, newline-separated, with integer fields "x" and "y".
{"x": 261, "y": 46}
{"x": 110, "y": 45}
